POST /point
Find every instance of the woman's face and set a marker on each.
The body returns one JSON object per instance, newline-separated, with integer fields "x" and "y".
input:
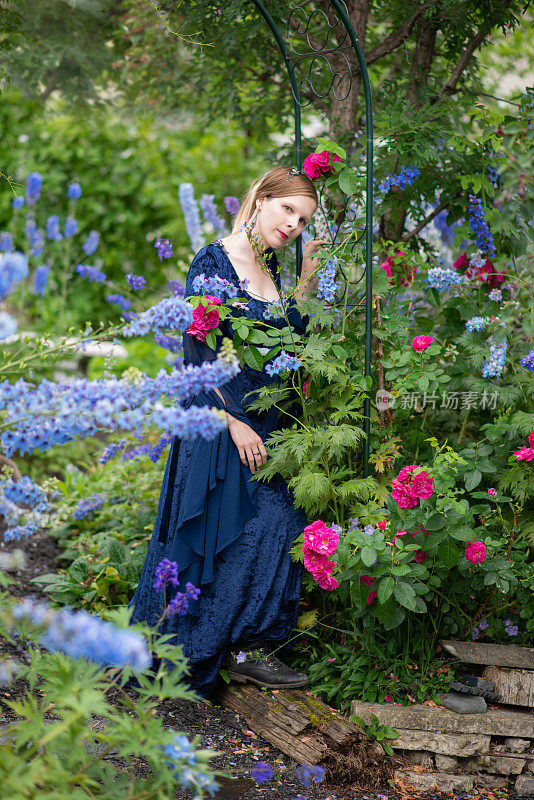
{"x": 282, "y": 219}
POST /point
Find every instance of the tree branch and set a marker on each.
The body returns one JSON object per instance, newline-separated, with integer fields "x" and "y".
{"x": 449, "y": 88}
{"x": 425, "y": 221}
{"x": 396, "y": 38}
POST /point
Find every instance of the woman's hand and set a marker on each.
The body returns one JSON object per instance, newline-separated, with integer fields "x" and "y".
{"x": 252, "y": 451}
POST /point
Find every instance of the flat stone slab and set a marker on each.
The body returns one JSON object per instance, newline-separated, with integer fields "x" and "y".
{"x": 499, "y": 655}
{"x": 434, "y": 781}
{"x": 524, "y": 786}
{"x": 447, "y": 744}
{"x": 519, "y": 724}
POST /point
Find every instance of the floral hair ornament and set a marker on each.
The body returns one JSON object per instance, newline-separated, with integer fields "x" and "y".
{"x": 293, "y": 172}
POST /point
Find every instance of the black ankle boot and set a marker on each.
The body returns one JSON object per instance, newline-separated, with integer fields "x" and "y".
{"x": 265, "y": 669}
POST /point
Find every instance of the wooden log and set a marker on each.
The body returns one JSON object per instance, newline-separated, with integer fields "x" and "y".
{"x": 495, "y": 722}
{"x": 500, "y": 655}
{"x": 310, "y": 732}
{"x": 515, "y": 685}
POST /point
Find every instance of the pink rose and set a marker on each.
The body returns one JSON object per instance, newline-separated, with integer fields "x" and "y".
{"x": 409, "y": 488}
{"x": 314, "y": 562}
{"x": 420, "y": 556}
{"x": 387, "y": 698}
{"x": 319, "y": 538}
{"x": 318, "y": 164}
{"x": 386, "y": 265}
{"x": 461, "y": 262}
{"x": 382, "y": 524}
{"x": 492, "y": 492}
{"x": 367, "y": 579}
{"x": 525, "y": 454}
{"x": 475, "y": 552}
{"x": 422, "y": 342}
{"x": 402, "y": 496}
{"x": 531, "y": 439}
{"x": 422, "y": 486}
{"x": 205, "y": 318}
{"x": 326, "y": 582}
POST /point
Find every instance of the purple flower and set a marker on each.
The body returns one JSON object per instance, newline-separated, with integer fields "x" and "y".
{"x": 512, "y": 630}
{"x": 74, "y": 192}
{"x": 91, "y": 273}
{"x": 178, "y": 606}
{"x": 186, "y": 196}
{"x": 475, "y": 633}
{"x": 191, "y": 591}
{"x": 166, "y": 572}
{"x": 369, "y": 530}
{"x": 261, "y": 772}
{"x": 164, "y": 248}
{"x": 480, "y": 228}
{"x": 282, "y": 363}
{"x": 17, "y": 202}
{"x": 53, "y": 228}
{"x": 168, "y": 342}
{"x": 88, "y": 506}
{"x": 527, "y": 362}
{"x": 327, "y": 284}
{"x": 483, "y": 625}
{"x": 176, "y": 288}
{"x": 241, "y": 657}
{"x": 91, "y": 243}
{"x": 307, "y": 773}
{"x": 353, "y": 523}
{"x": 232, "y": 204}
{"x": 211, "y": 215}
{"x": 119, "y": 300}
{"x": 136, "y": 281}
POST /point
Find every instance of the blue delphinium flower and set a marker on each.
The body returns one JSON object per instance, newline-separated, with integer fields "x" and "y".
{"x": 493, "y": 175}
{"x": 479, "y": 226}
{"x": 183, "y": 765}
{"x": 74, "y": 192}
{"x": 176, "y": 288}
{"x": 91, "y": 273}
{"x": 89, "y": 506}
{"x": 211, "y": 215}
{"x": 137, "y": 452}
{"x": 135, "y": 281}
{"x": 307, "y": 773}
{"x": 168, "y": 342}
{"x": 119, "y": 300}
{"x": 495, "y": 295}
{"x": 111, "y": 450}
{"x": 273, "y": 311}
{"x": 40, "y": 279}
{"x": 34, "y": 182}
{"x": 186, "y": 196}
{"x": 6, "y": 242}
{"x": 494, "y": 365}
{"x": 166, "y": 572}
{"x": 81, "y": 635}
{"x": 405, "y": 178}
{"x": 442, "y": 279}
{"x": 158, "y": 449}
{"x": 91, "y": 243}
{"x": 477, "y": 259}
{"x": 527, "y": 362}
{"x": 24, "y": 491}
{"x": 164, "y": 248}
{"x": 171, "y": 313}
{"x": 232, "y": 204}
{"x": 261, "y": 772}
{"x": 282, "y": 363}
{"x": 8, "y": 325}
{"x": 191, "y": 591}
{"x": 71, "y": 226}
{"x": 476, "y": 324}
{"x": 53, "y": 230}
{"x": 327, "y": 283}
{"x": 18, "y": 202}
{"x": 177, "y": 606}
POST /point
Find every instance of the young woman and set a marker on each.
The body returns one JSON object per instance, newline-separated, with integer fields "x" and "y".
{"x": 231, "y": 536}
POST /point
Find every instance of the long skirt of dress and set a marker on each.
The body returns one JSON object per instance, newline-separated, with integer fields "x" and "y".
{"x": 250, "y": 585}
{"x": 256, "y": 586}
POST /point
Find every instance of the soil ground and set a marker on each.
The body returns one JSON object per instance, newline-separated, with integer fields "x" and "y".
{"x": 218, "y": 728}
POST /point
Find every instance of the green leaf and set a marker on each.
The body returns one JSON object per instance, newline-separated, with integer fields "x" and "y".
{"x": 448, "y": 553}
{"x": 423, "y": 383}
{"x": 368, "y": 555}
{"x": 211, "y": 340}
{"x": 405, "y": 595}
{"x": 385, "y": 589}
{"x": 253, "y": 357}
{"x": 472, "y": 478}
{"x": 435, "y": 523}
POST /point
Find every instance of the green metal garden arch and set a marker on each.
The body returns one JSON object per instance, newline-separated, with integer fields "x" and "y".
{"x": 333, "y": 16}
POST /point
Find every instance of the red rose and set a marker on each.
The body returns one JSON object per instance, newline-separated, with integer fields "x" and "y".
{"x": 318, "y": 164}
{"x": 205, "y": 318}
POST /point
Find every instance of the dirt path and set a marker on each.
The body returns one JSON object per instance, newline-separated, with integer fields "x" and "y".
{"x": 218, "y": 728}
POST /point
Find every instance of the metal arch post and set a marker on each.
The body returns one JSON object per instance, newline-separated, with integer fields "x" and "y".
{"x": 341, "y": 10}
{"x": 296, "y": 103}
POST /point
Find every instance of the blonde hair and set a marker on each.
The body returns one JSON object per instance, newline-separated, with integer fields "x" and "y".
{"x": 275, "y": 183}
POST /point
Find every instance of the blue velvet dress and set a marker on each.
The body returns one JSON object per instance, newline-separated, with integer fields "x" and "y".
{"x": 230, "y": 535}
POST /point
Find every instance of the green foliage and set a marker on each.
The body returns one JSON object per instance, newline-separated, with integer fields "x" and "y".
{"x": 375, "y": 730}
